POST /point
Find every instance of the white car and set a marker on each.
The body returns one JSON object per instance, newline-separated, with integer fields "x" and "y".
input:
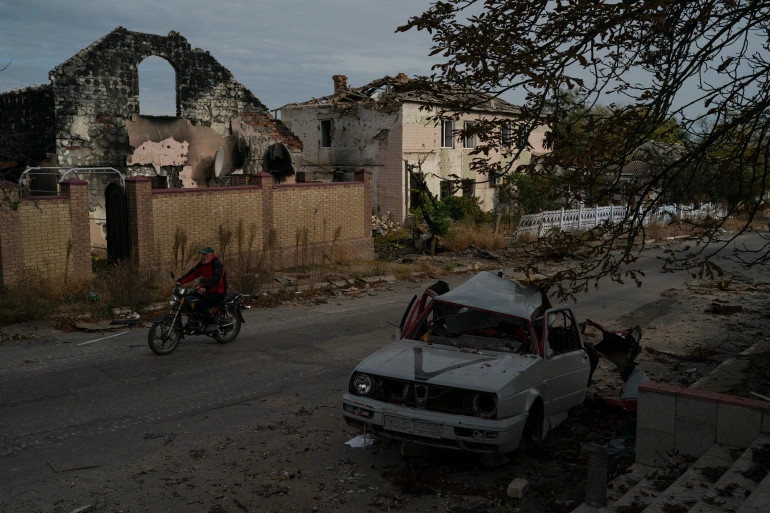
{"x": 476, "y": 369}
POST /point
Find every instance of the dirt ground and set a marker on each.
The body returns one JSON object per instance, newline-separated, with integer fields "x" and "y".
{"x": 294, "y": 458}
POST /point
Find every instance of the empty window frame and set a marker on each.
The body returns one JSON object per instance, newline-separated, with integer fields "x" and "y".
{"x": 447, "y": 133}
{"x": 506, "y": 135}
{"x": 326, "y": 133}
{"x": 445, "y": 189}
{"x": 469, "y": 141}
{"x": 469, "y": 187}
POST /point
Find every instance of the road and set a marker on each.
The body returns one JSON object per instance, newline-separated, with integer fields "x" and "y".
{"x": 84, "y": 416}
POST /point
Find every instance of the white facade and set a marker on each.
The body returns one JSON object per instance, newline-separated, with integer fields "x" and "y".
{"x": 382, "y": 136}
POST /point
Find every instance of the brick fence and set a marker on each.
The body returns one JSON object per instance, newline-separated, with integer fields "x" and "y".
{"x": 296, "y": 224}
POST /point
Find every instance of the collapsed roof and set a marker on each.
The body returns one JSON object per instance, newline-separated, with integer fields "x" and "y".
{"x": 400, "y": 89}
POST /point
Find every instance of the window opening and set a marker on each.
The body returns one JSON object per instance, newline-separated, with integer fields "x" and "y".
{"x": 506, "y": 135}
{"x": 157, "y": 87}
{"x": 445, "y": 189}
{"x": 469, "y": 187}
{"x": 469, "y": 141}
{"x": 562, "y": 337}
{"x": 447, "y": 133}
{"x": 326, "y": 133}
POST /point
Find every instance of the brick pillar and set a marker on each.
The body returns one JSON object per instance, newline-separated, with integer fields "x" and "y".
{"x": 265, "y": 180}
{"x": 366, "y": 177}
{"x": 80, "y": 238}
{"x": 141, "y": 234}
{"x": 11, "y": 254}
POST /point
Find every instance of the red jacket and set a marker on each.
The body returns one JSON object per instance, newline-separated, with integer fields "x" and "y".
{"x": 213, "y": 274}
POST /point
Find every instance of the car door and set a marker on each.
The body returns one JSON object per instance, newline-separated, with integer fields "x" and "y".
{"x": 566, "y": 363}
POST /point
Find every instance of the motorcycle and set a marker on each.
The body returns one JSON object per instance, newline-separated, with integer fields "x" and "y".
{"x": 168, "y": 330}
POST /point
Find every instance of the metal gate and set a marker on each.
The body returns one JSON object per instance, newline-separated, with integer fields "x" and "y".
{"x": 116, "y": 209}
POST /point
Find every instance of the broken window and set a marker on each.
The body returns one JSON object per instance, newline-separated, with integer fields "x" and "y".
{"x": 562, "y": 332}
{"x": 469, "y": 141}
{"x": 447, "y": 133}
{"x": 506, "y": 135}
{"x": 326, "y": 133}
{"x": 157, "y": 87}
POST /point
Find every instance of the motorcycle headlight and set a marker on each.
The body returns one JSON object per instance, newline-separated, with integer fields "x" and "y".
{"x": 484, "y": 405}
{"x": 362, "y": 384}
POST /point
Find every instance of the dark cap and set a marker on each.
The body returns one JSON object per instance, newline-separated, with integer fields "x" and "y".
{"x": 207, "y": 250}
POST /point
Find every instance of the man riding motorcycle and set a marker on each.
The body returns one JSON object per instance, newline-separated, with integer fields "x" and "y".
{"x": 213, "y": 284}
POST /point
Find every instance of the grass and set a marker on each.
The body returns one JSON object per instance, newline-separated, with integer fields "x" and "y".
{"x": 466, "y": 234}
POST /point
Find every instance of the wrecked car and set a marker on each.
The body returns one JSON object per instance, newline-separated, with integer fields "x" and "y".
{"x": 477, "y": 368}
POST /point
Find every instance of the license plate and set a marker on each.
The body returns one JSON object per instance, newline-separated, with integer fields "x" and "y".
{"x": 411, "y": 426}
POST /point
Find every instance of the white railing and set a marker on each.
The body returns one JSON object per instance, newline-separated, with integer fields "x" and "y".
{"x": 585, "y": 218}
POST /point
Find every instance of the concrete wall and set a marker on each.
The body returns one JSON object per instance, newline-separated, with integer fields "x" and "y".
{"x": 688, "y": 421}
{"x": 361, "y": 138}
{"x": 51, "y": 234}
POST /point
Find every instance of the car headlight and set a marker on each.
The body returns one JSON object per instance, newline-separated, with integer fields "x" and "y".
{"x": 484, "y": 405}
{"x": 362, "y": 384}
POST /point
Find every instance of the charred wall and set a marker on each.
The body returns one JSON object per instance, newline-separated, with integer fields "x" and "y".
{"x": 96, "y": 96}
{"x": 27, "y": 125}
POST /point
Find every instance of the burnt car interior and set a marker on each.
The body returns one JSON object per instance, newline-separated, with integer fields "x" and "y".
{"x": 472, "y": 329}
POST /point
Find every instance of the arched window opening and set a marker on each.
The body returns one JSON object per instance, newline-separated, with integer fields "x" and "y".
{"x": 157, "y": 87}
{"x": 277, "y": 161}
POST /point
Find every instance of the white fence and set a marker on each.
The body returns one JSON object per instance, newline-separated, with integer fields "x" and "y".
{"x": 585, "y": 218}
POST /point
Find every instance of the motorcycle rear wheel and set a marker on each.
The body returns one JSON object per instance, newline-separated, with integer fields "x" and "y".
{"x": 163, "y": 337}
{"x": 229, "y": 325}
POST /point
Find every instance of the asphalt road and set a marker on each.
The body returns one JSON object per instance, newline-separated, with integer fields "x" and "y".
{"x": 87, "y": 400}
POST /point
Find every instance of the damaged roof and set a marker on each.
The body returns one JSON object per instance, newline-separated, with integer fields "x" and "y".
{"x": 487, "y": 291}
{"x": 400, "y": 89}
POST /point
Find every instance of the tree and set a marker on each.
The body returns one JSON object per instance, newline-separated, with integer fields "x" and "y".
{"x": 693, "y": 71}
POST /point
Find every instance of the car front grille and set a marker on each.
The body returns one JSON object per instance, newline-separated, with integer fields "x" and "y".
{"x": 424, "y": 396}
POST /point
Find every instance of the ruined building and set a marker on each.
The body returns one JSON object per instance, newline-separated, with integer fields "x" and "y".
{"x": 223, "y": 150}
{"x": 89, "y": 116}
{"x": 387, "y": 125}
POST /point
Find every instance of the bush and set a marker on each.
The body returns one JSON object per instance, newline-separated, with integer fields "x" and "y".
{"x": 460, "y": 208}
{"x": 30, "y": 298}
{"x": 468, "y": 234}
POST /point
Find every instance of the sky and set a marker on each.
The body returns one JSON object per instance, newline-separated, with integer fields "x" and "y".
{"x": 283, "y": 51}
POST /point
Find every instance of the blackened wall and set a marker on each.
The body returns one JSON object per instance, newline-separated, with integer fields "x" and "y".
{"x": 97, "y": 92}
{"x": 27, "y": 123}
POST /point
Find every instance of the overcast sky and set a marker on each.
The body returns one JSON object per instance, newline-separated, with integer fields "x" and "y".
{"x": 283, "y": 51}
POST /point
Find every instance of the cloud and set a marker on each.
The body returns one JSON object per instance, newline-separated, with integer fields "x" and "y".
{"x": 283, "y": 51}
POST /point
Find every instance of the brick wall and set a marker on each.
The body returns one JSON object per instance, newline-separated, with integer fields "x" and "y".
{"x": 41, "y": 234}
{"x": 52, "y": 233}
{"x": 204, "y": 217}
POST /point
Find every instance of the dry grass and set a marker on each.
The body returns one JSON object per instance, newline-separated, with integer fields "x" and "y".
{"x": 467, "y": 234}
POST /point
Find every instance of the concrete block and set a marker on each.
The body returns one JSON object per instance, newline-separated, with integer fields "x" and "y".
{"x": 694, "y": 437}
{"x": 517, "y": 488}
{"x": 653, "y": 447}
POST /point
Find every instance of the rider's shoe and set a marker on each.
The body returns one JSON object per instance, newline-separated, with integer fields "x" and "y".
{"x": 210, "y": 328}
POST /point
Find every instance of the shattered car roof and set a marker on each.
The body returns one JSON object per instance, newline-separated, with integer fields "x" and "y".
{"x": 487, "y": 291}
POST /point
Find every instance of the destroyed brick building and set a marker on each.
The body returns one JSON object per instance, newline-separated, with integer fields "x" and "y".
{"x": 90, "y": 115}
{"x": 386, "y": 125}
{"x": 223, "y": 150}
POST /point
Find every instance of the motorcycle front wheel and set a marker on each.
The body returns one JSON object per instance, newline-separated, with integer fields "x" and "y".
{"x": 229, "y": 325}
{"x": 163, "y": 337}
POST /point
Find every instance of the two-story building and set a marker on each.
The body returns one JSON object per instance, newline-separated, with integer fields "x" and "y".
{"x": 388, "y": 127}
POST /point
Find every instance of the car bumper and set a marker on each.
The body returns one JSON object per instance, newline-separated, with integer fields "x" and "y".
{"x": 433, "y": 428}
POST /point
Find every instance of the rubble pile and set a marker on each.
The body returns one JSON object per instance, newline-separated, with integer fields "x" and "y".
{"x": 382, "y": 225}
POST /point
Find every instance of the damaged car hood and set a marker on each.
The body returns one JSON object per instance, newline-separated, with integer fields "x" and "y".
{"x": 446, "y": 365}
